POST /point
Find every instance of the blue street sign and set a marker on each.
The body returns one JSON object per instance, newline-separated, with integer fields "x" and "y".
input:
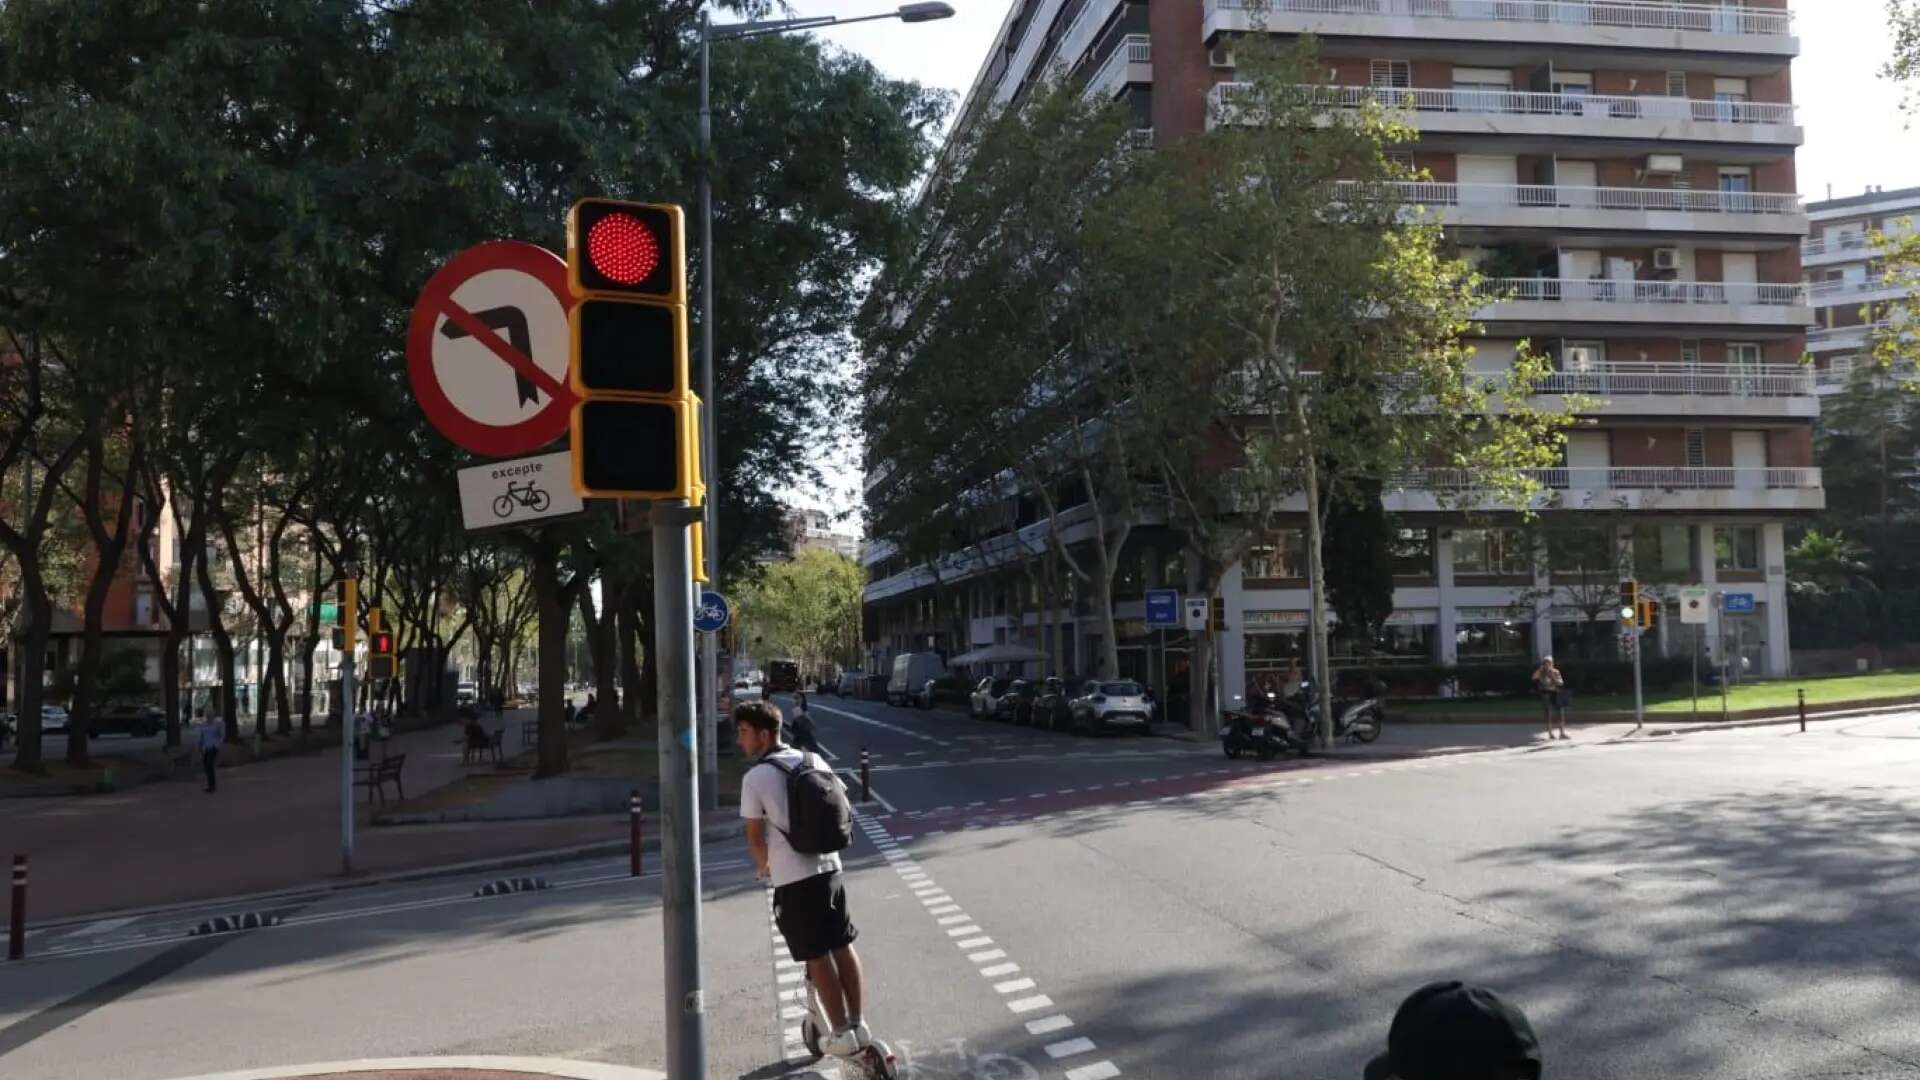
{"x": 1739, "y": 602}
{"x": 712, "y": 614}
{"x": 1163, "y": 607}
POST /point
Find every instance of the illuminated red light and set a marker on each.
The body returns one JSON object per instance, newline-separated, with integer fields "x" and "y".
{"x": 623, "y": 249}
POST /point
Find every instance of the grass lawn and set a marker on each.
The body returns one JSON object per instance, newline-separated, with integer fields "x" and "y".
{"x": 1775, "y": 694}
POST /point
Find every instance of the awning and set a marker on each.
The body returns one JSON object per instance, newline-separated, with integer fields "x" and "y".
{"x": 999, "y": 654}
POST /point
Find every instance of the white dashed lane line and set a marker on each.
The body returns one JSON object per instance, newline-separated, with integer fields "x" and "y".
{"x": 1017, "y": 989}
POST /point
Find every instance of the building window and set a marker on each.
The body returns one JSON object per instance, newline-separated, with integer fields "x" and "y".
{"x": 1490, "y": 551}
{"x": 1663, "y": 551}
{"x": 1736, "y": 547}
{"x": 1404, "y": 644}
{"x": 1411, "y": 552}
{"x": 1284, "y": 555}
{"x": 1397, "y": 74}
{"x": 1588, "y": 551}
{"x": 1676, "y": 84}
{"x": 1485, "y": 642}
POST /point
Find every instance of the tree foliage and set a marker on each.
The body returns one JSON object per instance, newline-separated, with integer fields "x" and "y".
{"x": 807, "y": 608}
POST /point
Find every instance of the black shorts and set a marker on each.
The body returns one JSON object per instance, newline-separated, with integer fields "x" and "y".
{"x": 812, "y": 916}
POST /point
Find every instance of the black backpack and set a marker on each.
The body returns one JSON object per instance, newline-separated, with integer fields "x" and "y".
{"x": 819, "y": 817}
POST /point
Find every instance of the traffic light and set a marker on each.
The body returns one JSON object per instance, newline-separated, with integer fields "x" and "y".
{"x": 636, "y": 428}
{"x": 1649, "y": 613}
{"x": 380, "y": 662}
{"x": 1629, "y": 599}
{"x": 347, "y": 597}
{"x": 1217, "y": 614}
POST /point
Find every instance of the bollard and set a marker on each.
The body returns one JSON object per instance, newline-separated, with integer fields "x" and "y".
{"x": 17, "y": 925}
{"x": 633, "y": 817}
{"x": 866, "y": 778}
{"x": 1803, "y": 710}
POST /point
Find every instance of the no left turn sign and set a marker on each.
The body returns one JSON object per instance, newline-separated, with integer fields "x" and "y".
{"x": 487, "y": 348}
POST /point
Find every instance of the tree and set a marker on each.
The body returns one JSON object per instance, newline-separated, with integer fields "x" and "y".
{"x": 1903, "y": 19}
{"x": 808, "y": 608}
{"x": 1320, "y": 322}
{"x": 1826, "y": 563}
{"x": 1359, "y": 566}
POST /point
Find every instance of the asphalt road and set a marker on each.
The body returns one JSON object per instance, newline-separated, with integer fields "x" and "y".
{"x": 1732, "y": 904}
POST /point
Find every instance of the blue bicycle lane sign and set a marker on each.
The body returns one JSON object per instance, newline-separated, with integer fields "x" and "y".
{"x": 712, "y": 615}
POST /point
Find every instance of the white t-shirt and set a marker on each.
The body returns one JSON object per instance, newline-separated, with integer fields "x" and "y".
{"x": 763, "y": 794}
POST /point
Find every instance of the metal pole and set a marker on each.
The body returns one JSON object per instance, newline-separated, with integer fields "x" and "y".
{"x": 1803, "y": 710}
{"x": 709, "y": 458}
{"x": 634, "y": 813}
{"x": 346, "y": 761}
{"x": 1639, "y": 697}
{"x": 679, "y": 792}
{"x": 1696, "y": 670}
{"x": 866, "y": 776}
{"x": 17, "y": 922}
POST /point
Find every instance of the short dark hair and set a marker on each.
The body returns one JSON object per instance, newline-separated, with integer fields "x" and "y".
{"x": 759, "y": 715}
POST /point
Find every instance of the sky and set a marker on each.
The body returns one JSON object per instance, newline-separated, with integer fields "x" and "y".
{"x": 1856, "y": 134}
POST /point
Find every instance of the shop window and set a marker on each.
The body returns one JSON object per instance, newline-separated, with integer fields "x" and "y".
{"x": 1283, "y": 555}
{"x": 1736, "y": 547}
{"x": 1492, "y": 641}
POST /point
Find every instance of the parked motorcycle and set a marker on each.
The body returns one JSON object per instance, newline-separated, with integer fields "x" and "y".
{"x": 1264, "y": 730}
{"x": 1355, "y": 719}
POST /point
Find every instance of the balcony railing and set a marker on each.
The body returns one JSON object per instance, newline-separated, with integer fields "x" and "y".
{"x": 1821, "y": 291}
{"x": 1112, "y": 74}
{"x": 1623, "y": 14}
{"x": 1564, "y": 196}
{"x": 1712, "y": 380}
{"x": 1845, "y": 242}
{"x": 1627, "y": 478}
{"x": 1609, "y": 291}
{"x": 1596, "y": 107}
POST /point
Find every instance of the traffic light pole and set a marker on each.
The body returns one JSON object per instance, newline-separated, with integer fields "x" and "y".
{"x": 346, "y": 763}
{"x": 679, "y": 791}
{"x": 1639, "y": 697}
{"x": 709, "y": 433}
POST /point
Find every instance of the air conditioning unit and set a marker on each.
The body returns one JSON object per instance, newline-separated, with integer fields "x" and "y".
{"x": 1665, "y": 164}
{"x": 1220, "y": 56}
{"x": 1666, "y": 258}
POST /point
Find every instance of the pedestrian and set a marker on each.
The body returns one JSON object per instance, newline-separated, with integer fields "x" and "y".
{"x": 809, "y": 899}
{"x": 211, "y": 734}
{"x": 1453, "y": 1031}
{"x": 1551, "y": 684}
{"x": 566, "y": 711}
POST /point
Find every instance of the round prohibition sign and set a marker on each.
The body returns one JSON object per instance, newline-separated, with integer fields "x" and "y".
{"x": 490, "y": 403}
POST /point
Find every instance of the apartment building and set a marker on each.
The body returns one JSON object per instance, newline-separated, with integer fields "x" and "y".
{"x": 1849, "y": 294}
{"x": 1623, "y": 172}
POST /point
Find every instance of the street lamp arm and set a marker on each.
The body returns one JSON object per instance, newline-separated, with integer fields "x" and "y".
{"x": 919, "y": 12}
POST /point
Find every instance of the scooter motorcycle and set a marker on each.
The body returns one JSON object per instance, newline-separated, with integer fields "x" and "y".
{"x": 1356, "y": 719}
{"x": 1265, "y": 731}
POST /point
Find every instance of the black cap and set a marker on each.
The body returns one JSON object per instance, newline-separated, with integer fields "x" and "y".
{"x": 1452, "y": 1031}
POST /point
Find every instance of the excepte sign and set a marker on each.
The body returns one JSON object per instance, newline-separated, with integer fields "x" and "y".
{"x": 508, "y": 493}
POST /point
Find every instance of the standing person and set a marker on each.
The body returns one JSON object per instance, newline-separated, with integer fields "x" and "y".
{"x": 1551, "y": 684}
{"x": 212, "y": 734}
{"x": 809, "y": 900}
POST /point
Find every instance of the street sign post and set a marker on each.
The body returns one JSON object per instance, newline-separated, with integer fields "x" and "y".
{"x": 1696, "y": 601}
{"x": 1740, "y": 603}
{"x": 1163, "y": 608}
{"x": 712, "y": 615}
{"x": 488, "y": 348}
{"x": 1196, "y": 613}
{"x": 518, "y": 492}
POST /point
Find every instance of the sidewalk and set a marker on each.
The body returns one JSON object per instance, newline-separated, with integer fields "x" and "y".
{"x": 272, "y": 825}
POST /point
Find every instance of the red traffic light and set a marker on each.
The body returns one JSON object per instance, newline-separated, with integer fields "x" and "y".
{"x": 383, "y": 643}
{"x": 622, "y": 248}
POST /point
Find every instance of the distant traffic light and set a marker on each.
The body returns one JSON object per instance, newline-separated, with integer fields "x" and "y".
{"x": 380, "y": 661}
{"x": 1217, "y": 614}
{"x": 1649, "y": 613}
{"x": 1629, "y": 599}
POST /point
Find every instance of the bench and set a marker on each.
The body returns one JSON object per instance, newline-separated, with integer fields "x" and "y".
{"x": 481, "y": 751}
{"x": 375, "y": 776}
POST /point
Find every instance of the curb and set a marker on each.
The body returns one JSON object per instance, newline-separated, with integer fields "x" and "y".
{"x": 710, "y": 834}
{"x": 550, "y": 1067}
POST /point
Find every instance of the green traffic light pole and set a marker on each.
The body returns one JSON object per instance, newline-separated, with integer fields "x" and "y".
{"x": 709, "y": 454}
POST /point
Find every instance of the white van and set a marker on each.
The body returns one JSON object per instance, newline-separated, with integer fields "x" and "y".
{"x": 911, "y": 674}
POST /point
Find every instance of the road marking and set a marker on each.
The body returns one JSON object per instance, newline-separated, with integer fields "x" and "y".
{"x": 1068, "y": 1048}
{"x": 974, "y": 943}
{"x": 101, "y": 927}
{"x": 1099, "y": 1070}
{"x": 944, "y": 909}
{"x": 968, "y": 929}
{"x": 983, "y": 957}
{"x": 950, "y": 920}
{"x": 998, "y": 970}
{"x": 1048, "y": 1025}
{"x": 895, "y": 728}
{"x": 1028, "y": 1004}
{"x": 1013, "y": 986}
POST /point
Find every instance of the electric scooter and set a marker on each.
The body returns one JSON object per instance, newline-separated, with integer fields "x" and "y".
{"x": 875, "y": 1061}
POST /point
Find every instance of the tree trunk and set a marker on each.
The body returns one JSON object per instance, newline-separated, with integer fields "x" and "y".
{"x": 228, "y": 701}
{"x": 1317, "y": 604}
{"x": 627, "y": 630}
{"x": 32, "y": 657}
{"x": 551, "y": 603}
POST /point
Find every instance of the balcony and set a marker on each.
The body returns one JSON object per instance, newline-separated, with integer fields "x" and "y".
{"x": 1679, "y": 390}
{"x": 1747, "y": 304}
{"x": 1566, "y": 207}
{"x": 1131, "y": 61}
{"x": 1860, "y": 291}
{"x": 1643, "y": 117}
{"x": 1847, "y": 247}
{"x": 1646, "y": 24}
{"x": 1659, "y": 487}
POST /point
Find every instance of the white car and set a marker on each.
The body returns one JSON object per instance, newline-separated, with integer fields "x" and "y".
{"x": 747, "y": 690}
{"x": 986, "y": 696}
{"x": 1112, "y": 703}
{"x": 53, "y": 718}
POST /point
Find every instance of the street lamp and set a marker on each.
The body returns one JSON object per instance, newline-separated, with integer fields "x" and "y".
{"x": 709, "y": 454}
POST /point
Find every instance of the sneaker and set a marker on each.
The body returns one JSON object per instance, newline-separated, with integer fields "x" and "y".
{"x": 843, "y": 1043}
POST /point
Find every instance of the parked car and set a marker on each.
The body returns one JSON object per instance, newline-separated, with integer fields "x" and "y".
{"x": 466, "y": 693}
{"x": 53, "y": 719}
{"x": 1053, "y": 705}
{"x": 139, "y": 721}
{"x": 985, "y": 699}
{"x": 746, "y": 690}
{"x": 912, "y": 679}
{"x": 850, "y": 683}
{"x": 1105, "y": 705}
{"x": 1016, "y": 705}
